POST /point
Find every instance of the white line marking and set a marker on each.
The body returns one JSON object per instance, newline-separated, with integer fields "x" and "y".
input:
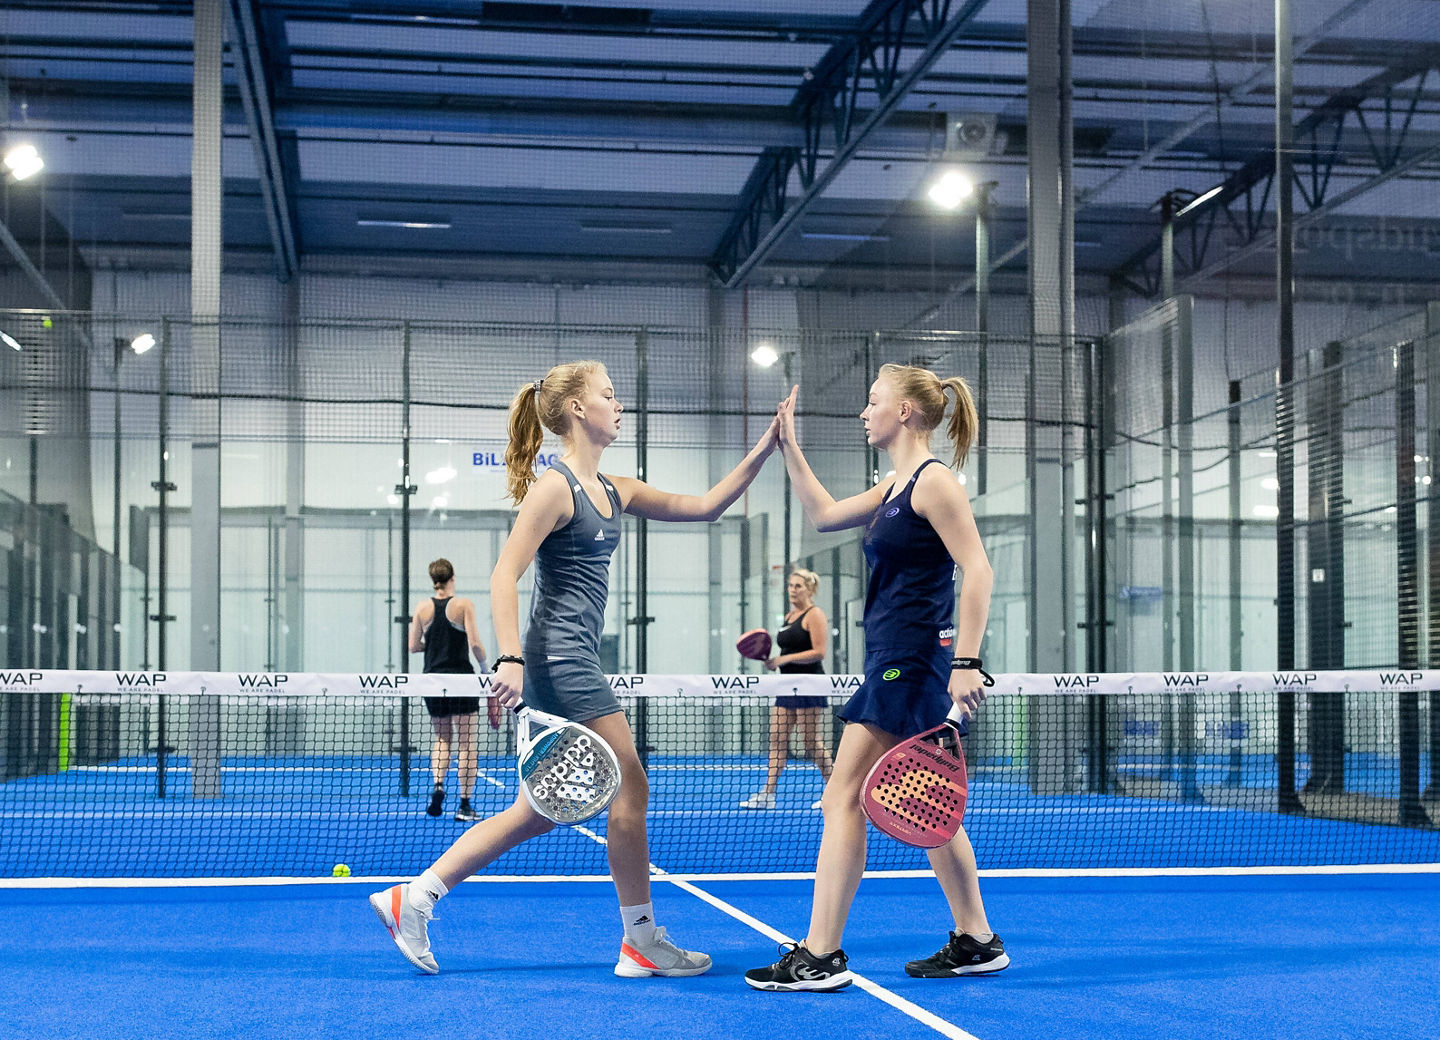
{"x": 1357, "y": 870}
{"x": 877, "y": 991}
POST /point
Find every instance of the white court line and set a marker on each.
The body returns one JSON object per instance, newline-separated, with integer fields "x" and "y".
{"x": 1343, "y": 869}
{"x": 899, "y": 1003}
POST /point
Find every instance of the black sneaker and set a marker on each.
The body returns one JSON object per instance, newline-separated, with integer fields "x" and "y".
{"x": 466, "y": 812}
{"x": 962, "y": 955}
{"x": 437, "y": 801}
{"x": 799, "y": 969}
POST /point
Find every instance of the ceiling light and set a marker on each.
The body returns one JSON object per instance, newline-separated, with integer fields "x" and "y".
{"x": 23, "y": 161}
{"x": 10, "y": 341}
{"x": 142, "y": 342}
{"x": 764, "y": 355}
{"x": 441, "y": 475}
{"x": 412, "y": 225}
{"x": 1201, "y": 199}
{"x": 951, "y": 189}
{"x": 614, "y": 228}
{"x": 841, "y": 236}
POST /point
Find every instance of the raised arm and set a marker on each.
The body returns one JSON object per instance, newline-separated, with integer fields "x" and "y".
{"x": 820, "y": 506}
{"x": 640, "y": 499}
{"x": 940, "y": 499}
{"x": 548, "y": 506}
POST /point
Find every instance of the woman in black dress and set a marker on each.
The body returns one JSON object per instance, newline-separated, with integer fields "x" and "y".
{"x": 801, "y": 643}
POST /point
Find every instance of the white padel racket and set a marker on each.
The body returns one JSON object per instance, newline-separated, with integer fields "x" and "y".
{"x": 569, "y": 773}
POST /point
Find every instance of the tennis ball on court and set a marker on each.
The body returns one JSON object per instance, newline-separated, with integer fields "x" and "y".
{"x": 341, "y": 870}
{"x": 46, "y": 323}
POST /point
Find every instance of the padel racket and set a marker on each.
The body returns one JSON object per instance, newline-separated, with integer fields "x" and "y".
{"x": 569, "y": 773}
{"x": 916, "y": 791}
{"x": 754, "y": 644}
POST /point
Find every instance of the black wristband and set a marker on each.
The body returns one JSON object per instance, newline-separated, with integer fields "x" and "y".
{"x": 510, "y": 659}
{"x": 972, "y": 663}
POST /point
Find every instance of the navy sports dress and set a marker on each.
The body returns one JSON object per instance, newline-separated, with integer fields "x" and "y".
{"x": 909, "y": 621}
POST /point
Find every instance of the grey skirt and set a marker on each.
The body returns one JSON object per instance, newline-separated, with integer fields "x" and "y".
{"x": 572, "y": 687}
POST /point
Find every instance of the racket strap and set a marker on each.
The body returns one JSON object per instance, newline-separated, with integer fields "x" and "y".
{"x": 968, "y": 663}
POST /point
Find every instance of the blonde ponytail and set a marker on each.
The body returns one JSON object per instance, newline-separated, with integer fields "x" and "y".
{"x": 526, "y": 437}
{"x": 537, "y": 407}
{"x": 964, "y": 421}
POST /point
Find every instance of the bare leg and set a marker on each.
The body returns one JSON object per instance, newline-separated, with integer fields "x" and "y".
{"x": 813, "y": 744}
{"x": 954, "y": 865}
{"x": 465, "y": 750}
{"x": 488, "y": 840}
{"x": 781, "y": 719}
{"x": 440, "y": 750}
{"x": 627, "y": 844}
{"x": 842, "y": 845}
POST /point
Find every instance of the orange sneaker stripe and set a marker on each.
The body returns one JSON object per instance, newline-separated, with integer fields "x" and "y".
{"x": 636, "y": 956}
{"x": 395, "y": 894}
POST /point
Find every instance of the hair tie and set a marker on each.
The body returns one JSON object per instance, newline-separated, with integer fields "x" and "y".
{"x": 538, "y": 384}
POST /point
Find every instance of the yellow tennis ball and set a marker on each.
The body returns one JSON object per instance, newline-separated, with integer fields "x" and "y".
{"x": 341, "y": 870}
{"x": 46, "y": 322}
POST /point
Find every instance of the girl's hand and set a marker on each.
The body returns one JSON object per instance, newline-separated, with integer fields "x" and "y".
{"x": 508, "y": 681}
{"x": 967, "y": 690}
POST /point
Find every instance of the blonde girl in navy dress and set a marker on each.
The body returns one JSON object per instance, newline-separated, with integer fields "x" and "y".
{"x": 919, "y": 661}
{"x": 568, "y": 525}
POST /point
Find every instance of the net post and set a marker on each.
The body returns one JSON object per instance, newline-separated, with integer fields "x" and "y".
{"x": 404, "y": 490}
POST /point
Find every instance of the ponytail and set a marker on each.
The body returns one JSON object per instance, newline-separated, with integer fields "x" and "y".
{"x": 526, "y": 437}
{"x": 964, "y": 422}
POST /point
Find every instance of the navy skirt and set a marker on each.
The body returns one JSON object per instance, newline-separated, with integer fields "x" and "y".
{"x": 906, "y": 691}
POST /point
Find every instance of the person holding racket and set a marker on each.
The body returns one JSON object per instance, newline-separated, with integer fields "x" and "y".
{"x": 918, "y": 661}
{"x": 568, "y": 524}
{"x": 801, "y": 642}
{"x": 441, "y": 627}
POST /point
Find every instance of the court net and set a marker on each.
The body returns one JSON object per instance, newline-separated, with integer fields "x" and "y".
{"x": 145, "y": 774}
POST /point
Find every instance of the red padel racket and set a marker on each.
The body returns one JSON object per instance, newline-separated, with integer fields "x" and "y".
{"x": 916, "y": 791}
{"x": 754, "y": 644}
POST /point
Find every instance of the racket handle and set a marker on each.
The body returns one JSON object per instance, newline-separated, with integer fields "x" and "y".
{"x": 954, "y": 715}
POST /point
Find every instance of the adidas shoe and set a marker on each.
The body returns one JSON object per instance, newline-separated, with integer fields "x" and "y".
{"x": 466, "y": 812}
{"x": 407, "y": 926}
{"x": 437, "y": 801}
{"x": 799, "y": 969}
{"x": 962, "y": 955}
{"x": 759, "y": 800}
{"x": 659, "y": 956}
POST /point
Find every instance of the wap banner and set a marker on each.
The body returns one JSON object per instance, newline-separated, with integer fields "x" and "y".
{"x": 122, "y": 685}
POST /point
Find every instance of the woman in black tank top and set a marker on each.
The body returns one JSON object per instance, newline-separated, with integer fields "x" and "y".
{"x": 802, "y": 649}
{"x": 444, "y": 629}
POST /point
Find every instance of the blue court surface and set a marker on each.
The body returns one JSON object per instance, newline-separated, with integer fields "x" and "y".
{"x": 1207, "y": 956}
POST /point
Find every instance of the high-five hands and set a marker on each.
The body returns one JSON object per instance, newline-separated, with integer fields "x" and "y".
{"x": 785, "y": 419}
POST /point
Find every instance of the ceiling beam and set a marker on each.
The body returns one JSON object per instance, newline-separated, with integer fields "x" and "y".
{"x": 253, "y": 80}
{"x": 762, "y": 218}
{"x": 1267, "y": 240}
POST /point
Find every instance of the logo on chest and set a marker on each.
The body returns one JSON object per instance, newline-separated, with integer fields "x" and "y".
{"x": 893, "y": 511}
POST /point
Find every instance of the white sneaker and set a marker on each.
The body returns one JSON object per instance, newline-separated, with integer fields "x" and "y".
{"x": 759, "y": 800}
{"x": 659, "y": 956}
{"x": 408, "y": 926}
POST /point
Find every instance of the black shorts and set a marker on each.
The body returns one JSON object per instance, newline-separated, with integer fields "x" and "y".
{"x": 444, "y": 707}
